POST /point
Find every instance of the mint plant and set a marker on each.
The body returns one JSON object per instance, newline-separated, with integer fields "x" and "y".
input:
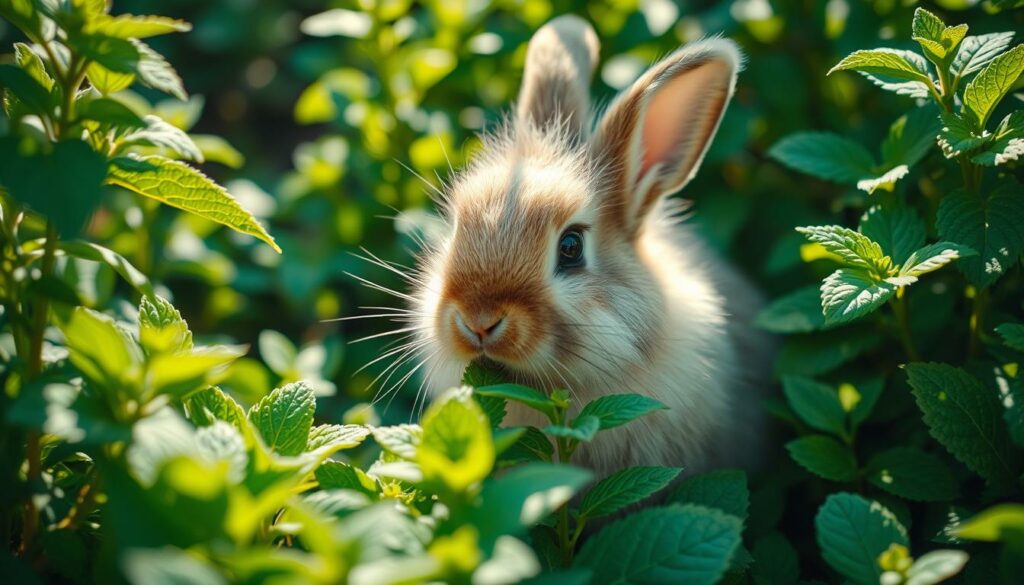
{"x": 135, "y": 449}
{"x": 969, "y": 404}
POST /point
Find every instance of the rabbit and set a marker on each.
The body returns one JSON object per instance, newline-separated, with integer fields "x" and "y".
{"x": 562, "y": 262}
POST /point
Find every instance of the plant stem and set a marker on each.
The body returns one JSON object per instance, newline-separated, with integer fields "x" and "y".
{"x": 979, "y": 307}
{"x": 42, "y": 308}
{"x": 563, "y": 452}
{"x": 899, "y": 309}
{"x": 76, "y": 75}
{"x": 33, "y": 448}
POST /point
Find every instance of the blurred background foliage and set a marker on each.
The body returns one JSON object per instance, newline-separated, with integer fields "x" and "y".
{"x": 347, "y": 114}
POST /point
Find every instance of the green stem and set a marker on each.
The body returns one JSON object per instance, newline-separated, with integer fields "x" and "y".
{"x": 33, "y": 448}
{"x": 76, "y": 75}
{"x": 979, "y": 307}
{"x": 564, "y": 542}
{"x": 899, "y": 309}
{"x": 580, "y": 523}
{"x": 946, "y": 99}
{"x": 42, "y": 308}
{"x": 938, "y": 97}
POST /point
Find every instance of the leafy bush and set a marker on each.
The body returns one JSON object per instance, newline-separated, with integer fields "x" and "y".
{"x": 136, "y": 450}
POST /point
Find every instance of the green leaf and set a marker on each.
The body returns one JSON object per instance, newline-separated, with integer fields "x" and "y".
{"x": 400, "y": 440}
{"x": 65, "y": 185}
{"x": 1006, "y": 144}
{"x": 932, "y": 257}
{"x": 532, "y": 445}
{"x": 927, "y": 26}
{"x": 1012, "y": 334}
{"x": 457, "y": 447}
{"x": 102, "y": 351}
{"x": 817, "y": 353}
{"x": 106, "y": 81}
{"x": 172, "y": 140}
{"x": 520, "y": 394}
{"x": 504, "y": 439}
{"x": 212, "y": 404}
{"x": 889, "y": 63}
{"x": 936, "y": 566}
{"x": 477, "y": 375}
{"x": 524, "y": 495}
{"x": 911, "y": 137}
{"x": 936, "y": 39}
{"x": 824, "y": 155}
{"x": 850, "y": 293}
{"x": 1003, "y": 522}
{"x": 775, "y": 561}
{"x": 898, "y": 230}
{"x": 28, "y": 90}
{"x": 816, "y": 404}
{"x": 965, "y": 417}
{"x": 336, "y": 437}
{"x": 110, "y": 113}
{"x": 284, "y": 418}
{"x": 855, "y": 249}
{"x": 853, "y": 532}
{"x": 957, "y": 136}
{"x": 795, "y": 312}
{"x": 1013, "y": 412}
{"x": 676, "y": 544}
{"x": 154, "y": 71}
{"x": 885, "y": 181}
{"x": 824, "y": 457}
{"x": 993, "y": 226}
{"x": 22, "y": 14}
{"x": 333, "y": 475}
{"x": 221, "y": 442}
{"x": 180, "y": 374}
{"x": 338, "y": 503}
{"x": 120, "y": 265}
{"x": 583, "y": 428}
{"x": 216, "y": 149}
{"x": 985, "y": 91}
{"x": 114, "y": 54}
{"x": 977, "y": 51}
{"x": 179, "y": 185}
{"x": 168, "y": 566}
{"x": 278, "y": 352}
{"x": 31, "y": 63}
{"x": 614, "y": 410}
{"x": 624, "y": 488}
{"x": 867, "y": 393}
{"x": 161, "y": 326}
{"x": 912, "y": 474}
{"x": 129, "y": 26}
{"x": 721, "y": 489}
{"x": 917, "y": 88}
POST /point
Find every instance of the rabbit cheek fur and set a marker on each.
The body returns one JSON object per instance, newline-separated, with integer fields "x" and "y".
{"x": 650, "y": 310}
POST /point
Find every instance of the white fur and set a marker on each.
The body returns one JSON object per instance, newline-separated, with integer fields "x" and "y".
{"x": 654, "y": 311}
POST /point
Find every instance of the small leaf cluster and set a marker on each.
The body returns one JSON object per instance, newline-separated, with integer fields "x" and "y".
{"x": 695, "y": 535}
{"x": 75, "y": 127}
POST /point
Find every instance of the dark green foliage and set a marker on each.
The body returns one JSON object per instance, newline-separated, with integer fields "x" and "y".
{"x": 138, "y": 447}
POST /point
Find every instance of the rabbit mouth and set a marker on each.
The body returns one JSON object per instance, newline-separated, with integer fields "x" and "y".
{"x": 507, "y": 372}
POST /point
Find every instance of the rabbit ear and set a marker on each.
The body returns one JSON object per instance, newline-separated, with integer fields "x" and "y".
{"x": 556, "y": 82}
{"x": 654, "y": 136}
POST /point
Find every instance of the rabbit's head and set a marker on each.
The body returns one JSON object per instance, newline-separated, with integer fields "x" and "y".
{"x": 542, "y": 267}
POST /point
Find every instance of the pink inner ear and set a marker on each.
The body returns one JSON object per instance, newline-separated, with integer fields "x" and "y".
{"x": 681, "y": 116}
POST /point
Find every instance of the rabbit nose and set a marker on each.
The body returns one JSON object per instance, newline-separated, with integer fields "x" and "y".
{"x": 481, "y": 328}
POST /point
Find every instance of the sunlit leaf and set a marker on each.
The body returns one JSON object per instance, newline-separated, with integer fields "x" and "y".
{"x": 181, "y": 186}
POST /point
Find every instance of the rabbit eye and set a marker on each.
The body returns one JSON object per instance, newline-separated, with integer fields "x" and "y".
{"x": 570, "y": 249}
